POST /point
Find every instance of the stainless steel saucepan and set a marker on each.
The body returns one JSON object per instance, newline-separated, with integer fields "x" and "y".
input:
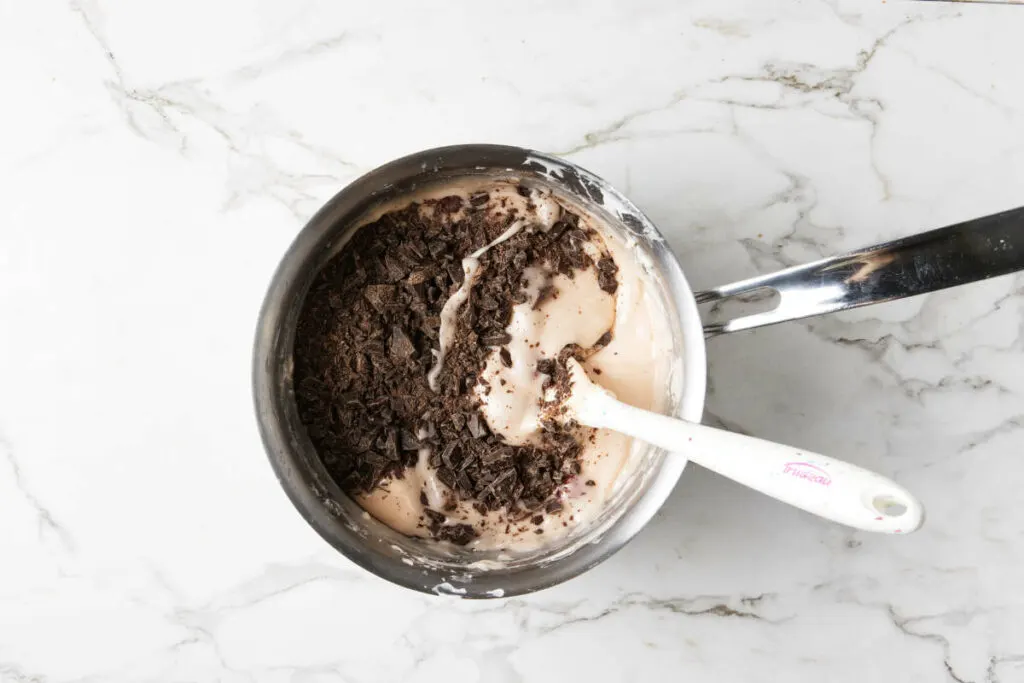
{"x": 959, "y": 254}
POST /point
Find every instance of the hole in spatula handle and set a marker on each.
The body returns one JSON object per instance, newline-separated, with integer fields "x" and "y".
{"x": 888, "y": 506}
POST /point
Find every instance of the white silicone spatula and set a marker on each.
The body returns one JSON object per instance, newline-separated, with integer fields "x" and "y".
{"x": 824, "y": 486}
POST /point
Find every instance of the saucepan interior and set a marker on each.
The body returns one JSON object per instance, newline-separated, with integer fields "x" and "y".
{"x": 429, "y": 566}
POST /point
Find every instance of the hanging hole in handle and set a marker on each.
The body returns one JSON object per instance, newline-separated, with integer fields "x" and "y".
{"x": 741, "y": 305}
{"x": 888, "y": 506}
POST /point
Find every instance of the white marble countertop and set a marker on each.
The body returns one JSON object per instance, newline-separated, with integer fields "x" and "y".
{"x": 157, "y": 158}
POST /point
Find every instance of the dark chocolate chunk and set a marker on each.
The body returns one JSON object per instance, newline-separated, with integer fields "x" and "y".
{"x": 396, "y": 268}
{"x": 487, "y": 302}
{"x": 499, "y": 338}
{"x": 401, "y": 345}
{"x": 434, "y": 516}
{"x": 437, "y": 248}
{"x": 448, "y": 454}
{"x": 379, "y": 296}
{"x": 455, "y": 272}
{"x": 558, "y": 229}
{"x": 459, "y": 534}
{"x": 607, "y": 281}
{"x": 477, "y": 426}
{"x": 447, "y": 477}
{"x": 606, "y": 278}
{"x": 418, "y": 277}
{"x": 449, "y": 204}
{"x": 408, "y": 441}
{"x": 546, "y": 292}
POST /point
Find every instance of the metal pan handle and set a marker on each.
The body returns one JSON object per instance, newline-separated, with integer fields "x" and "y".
{"x": 955, "y": 255}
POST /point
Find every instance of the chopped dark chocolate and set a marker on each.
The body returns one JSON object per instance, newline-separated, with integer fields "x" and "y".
{"x": 603, "y": 340}
{"x": 434, "y": 516}
{"x": 477, "y": 426}
{"x": 546, "y": 292}
{"x": 367, "y": 336}
{"x": 459, "y": 534}
{"x": 401, "y": 345}
{"x": 499, "y": 338}
{"x": 606, "y": 275}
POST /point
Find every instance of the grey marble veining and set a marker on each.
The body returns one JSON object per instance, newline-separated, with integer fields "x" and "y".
{"x": 157, "y": 160}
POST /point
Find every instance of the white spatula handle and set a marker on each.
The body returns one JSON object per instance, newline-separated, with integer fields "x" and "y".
{"x": 829, "y": 488}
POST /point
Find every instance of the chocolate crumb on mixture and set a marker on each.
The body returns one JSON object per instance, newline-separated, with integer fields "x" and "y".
{"x": 366, "y": 340}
